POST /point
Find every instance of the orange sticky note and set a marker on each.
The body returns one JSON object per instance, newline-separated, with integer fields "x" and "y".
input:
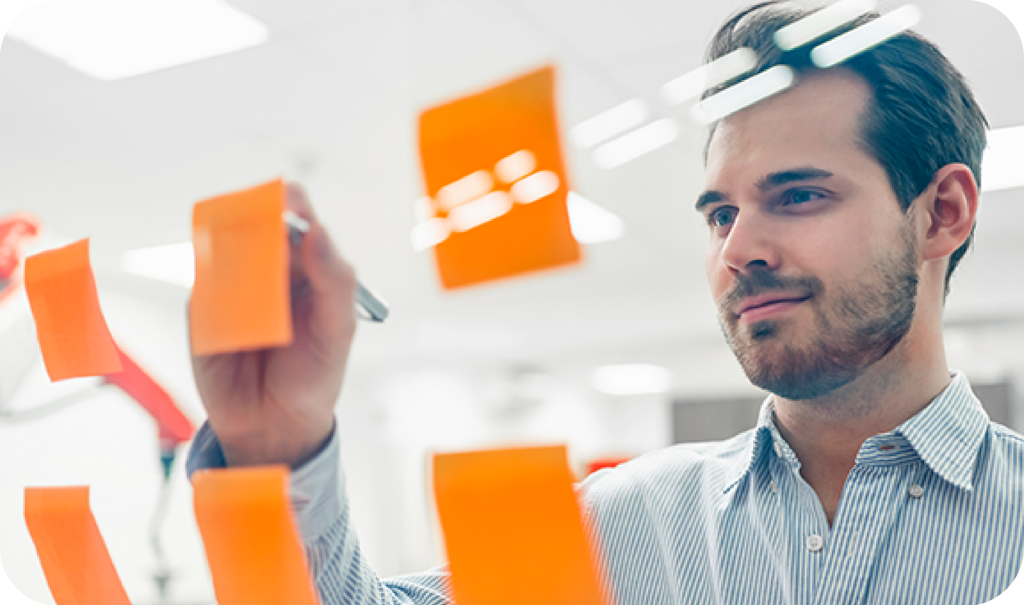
{"x": 74, "y": 557}
{"x": 252, "y": 542}
{"x": 73, "y": 336}
{"x": 513, "y": 529}
{"x": 240, "y": 299}
{"x": 496, "y": 184}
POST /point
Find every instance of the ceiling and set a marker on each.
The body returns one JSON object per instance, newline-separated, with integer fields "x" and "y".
{"x": 332, "y": 100}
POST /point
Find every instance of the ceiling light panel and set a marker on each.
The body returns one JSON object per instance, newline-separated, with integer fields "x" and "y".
{"x": 866, "y": 36}
{"x": 636, "y": 143}
{"x": 719, "y": 71}
{"x": 592, "y": 224}
{"x": 609, "y": 123}
{"x": 631, "y": 379}
{"x": 172, "y": 263}
{"x": 820, "y": 23}
{"x": 746, "y": 93}
{"x": 1000, "y": 167}
{"x": 115, "y": 39}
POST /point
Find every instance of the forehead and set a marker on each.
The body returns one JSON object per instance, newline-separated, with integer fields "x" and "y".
{"x": 816, "y": 122}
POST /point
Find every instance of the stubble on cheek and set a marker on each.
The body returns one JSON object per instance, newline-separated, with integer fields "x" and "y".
{"x": 848, "y": 330}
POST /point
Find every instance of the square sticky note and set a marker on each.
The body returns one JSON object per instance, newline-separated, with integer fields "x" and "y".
{"x": 71, "y": 549}
{"x": 513, "y": 528}
{"x": 496, "y": 184}
{"x": 73, "y": 335}
{"x": 240, "y": 299}
{"x": 252, "y": 541}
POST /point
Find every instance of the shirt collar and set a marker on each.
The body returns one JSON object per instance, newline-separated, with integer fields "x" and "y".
{"x": 761, "y": 439}
{"x": 947, "y": 434}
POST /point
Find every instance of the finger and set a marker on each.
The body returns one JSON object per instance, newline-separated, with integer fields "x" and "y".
{"x": 317, "y": 251}
{"x": 297, "y": 200}
{"x": 317, "y": 264}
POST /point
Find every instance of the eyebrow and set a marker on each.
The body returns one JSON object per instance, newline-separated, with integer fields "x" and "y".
{"x": 776, "y": 179}
{"x": 766, "y": 183}
{"x": 709, "y": 197}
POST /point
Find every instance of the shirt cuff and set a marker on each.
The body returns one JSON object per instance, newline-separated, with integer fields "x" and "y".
{"x": 314, "y": 487}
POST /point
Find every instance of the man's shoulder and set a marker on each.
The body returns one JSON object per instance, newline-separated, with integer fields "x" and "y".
{"x": 682, "y": 467}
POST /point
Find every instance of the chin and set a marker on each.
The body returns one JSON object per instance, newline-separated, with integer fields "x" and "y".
{"x": 797, "y": 386}
{"x": 792, "y": 372}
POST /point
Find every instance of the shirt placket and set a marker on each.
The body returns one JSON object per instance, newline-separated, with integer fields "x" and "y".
{"x": 872, "y": 497}
{"x": 807, "y": 526}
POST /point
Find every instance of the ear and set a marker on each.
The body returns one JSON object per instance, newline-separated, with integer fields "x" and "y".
{"x": 948, "y": 206}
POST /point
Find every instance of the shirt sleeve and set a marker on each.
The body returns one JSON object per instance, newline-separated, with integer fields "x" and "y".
{"x": 336, "y": 563}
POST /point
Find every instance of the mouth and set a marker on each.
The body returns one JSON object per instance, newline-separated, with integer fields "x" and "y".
{"x": 762, "y": 307}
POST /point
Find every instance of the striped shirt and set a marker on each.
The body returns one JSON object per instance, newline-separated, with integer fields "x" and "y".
{"x": 932, "y": 513}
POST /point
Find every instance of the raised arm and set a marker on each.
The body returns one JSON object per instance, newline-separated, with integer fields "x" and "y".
{"x": 276, "y": 405}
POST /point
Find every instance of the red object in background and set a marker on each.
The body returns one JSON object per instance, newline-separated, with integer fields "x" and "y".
{"x": 174, "y": 427}
{"x": 15, "y": 230}
{"x": 595, "y": 465}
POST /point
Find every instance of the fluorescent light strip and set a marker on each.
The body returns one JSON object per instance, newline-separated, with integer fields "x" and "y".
{"x": 1001, "y": 166}
{"x": 605, "y": 125}
{"x": 817, "y": 24}
{"x": 592, "y": 224}
{"x": 635, "y": 144}
{"x": 464, "y": 190}
{"x": 430, "y": 233}
{"x": 173, "y": 263}
{"x": 746, "y": 93}
{"x": 631, "y": 379}
{"x": 114, "y": 39}
{"x": 716, "y": 73}
{"x": 515, "y": 166}
{"x": 423, "y": 209}
{"x": 537, "y": 186}
{"x": 480, "y": 211}
{"x": 866, "y": 36}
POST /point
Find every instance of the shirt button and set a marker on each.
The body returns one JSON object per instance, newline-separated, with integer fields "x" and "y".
{"x": 916, "y": 491}
{"x": 815, "y": 543}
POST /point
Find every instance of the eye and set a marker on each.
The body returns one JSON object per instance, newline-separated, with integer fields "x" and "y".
{"x": 721, "y": 216}
{"x": 801, "y": 196}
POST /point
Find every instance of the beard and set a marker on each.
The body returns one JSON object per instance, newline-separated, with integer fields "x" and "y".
{"x": 854, "y": 327}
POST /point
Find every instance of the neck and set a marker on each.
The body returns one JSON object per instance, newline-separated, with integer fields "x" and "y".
{"x": 826, "y": 433}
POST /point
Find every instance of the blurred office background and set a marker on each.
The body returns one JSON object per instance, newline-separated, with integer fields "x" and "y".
{"x": 330, "y": 97}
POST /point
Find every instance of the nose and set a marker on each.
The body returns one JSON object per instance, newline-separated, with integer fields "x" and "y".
{"x": 749, "y": 244}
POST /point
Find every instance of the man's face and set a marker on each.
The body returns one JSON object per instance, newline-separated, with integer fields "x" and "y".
{"x": 812, "y": 262}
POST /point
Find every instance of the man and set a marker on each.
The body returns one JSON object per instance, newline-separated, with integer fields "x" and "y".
{"x": 837, "y": 211}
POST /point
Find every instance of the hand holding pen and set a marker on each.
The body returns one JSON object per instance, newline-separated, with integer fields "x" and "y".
{"x": 276, "y": 405}
{"x": 369, "y": 305}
